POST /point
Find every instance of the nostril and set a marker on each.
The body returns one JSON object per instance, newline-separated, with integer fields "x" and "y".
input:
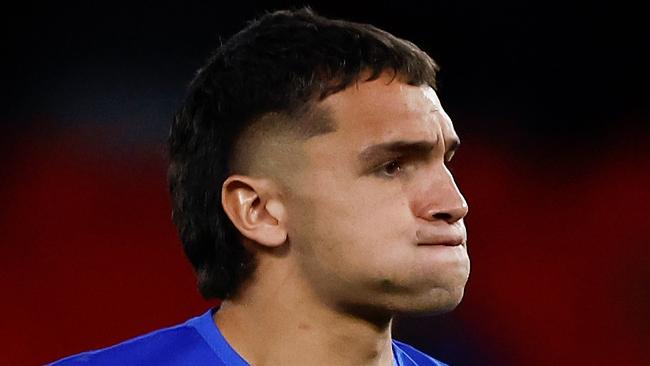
{"x": 442, "y": 216}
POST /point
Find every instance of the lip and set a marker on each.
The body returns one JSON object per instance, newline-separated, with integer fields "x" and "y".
{"x": 451, "y": 243}
{"x": 442, "y": 235}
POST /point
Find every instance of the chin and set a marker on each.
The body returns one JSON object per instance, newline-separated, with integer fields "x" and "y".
{"x": 450, "y": 302}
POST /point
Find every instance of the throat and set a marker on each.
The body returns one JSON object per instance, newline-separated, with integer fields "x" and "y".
{"x": 297, "y": 334}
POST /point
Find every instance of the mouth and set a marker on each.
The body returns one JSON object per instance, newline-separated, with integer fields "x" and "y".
{"x": 453, "y": 236}
{"x": 442, "y": 244}
{"x": 447, "y": 242}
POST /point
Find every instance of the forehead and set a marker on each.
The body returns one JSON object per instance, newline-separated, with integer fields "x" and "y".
{"x": 382, "y": 110}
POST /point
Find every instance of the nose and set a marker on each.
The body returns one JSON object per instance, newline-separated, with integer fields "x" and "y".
{"x": 444, "y": 200}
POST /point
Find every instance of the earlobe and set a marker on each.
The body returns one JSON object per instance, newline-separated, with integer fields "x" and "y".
{"x": 251, "y": 205}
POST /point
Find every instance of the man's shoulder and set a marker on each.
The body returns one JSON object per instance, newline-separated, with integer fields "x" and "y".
{"x": 177, "y": 345}
{"x": 408, "y": 355}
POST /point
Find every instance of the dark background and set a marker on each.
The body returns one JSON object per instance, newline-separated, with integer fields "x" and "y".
{"x": 550, "y": 99}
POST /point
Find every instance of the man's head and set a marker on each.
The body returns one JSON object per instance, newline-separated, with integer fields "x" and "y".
{"x": 321, "y": 145}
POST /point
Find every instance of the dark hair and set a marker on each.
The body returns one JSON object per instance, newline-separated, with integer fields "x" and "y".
{"x": 283, "y": 62}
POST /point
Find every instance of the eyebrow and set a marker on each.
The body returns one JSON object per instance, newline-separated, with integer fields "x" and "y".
{"x": 412, "y": 148}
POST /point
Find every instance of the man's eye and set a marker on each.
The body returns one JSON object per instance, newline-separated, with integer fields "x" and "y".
{"x": 391, "y": 168}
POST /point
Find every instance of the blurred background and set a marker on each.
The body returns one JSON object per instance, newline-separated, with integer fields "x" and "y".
{"x": 550, "y": 99}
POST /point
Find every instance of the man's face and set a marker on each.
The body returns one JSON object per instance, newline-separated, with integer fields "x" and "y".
{"x": 375, "y": 219}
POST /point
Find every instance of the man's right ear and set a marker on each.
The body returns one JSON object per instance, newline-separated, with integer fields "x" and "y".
{"x": 254, "y": 207}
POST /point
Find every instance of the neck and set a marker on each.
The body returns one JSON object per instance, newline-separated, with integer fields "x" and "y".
{"x": 287, "y": 324}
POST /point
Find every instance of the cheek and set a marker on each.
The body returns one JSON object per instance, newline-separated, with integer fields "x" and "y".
{"x": 354, "y": 226}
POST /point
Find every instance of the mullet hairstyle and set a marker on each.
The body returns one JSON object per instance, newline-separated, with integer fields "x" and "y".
{"x": 282, "y": 64}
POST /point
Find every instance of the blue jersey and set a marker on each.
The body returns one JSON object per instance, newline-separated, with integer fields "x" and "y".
{"x": 199, "y": 342}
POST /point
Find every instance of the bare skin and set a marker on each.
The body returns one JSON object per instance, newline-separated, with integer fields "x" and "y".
{"x": 350, "y": 228}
